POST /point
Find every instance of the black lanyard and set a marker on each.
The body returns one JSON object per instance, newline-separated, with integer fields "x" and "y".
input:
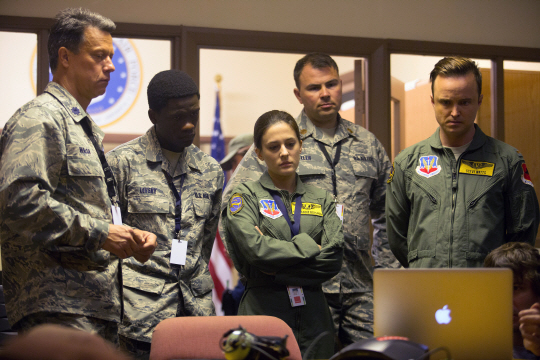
{"x": 178, "y": 206}
{"x": 295, "y": 228}
{"x": 109, "y": 177}
{"x": 332, "y": 163}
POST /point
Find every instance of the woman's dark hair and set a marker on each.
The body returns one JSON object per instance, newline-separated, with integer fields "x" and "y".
{"x": 270, "y": 118}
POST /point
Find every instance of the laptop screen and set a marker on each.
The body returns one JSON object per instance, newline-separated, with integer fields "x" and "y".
{"x": 468, "y": 311}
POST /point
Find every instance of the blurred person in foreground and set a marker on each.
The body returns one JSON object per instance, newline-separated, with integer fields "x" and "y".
{"x": 524, "y": 260}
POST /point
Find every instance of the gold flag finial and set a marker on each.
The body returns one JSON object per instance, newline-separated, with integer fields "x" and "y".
{"x": 217, "y": 78}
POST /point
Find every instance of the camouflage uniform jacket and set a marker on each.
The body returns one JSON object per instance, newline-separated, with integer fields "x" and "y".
{"x": 155, "y": 290}
{"x": 447, "y": 213}
{"x": 55, "y": 213}
{"x": 361, "y": 185}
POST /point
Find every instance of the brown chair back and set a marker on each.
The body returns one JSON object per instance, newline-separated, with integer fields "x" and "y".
{"x": 197, "y": 337}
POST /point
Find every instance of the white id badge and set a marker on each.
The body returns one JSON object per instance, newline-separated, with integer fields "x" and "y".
{"x": 296, "y": 295}
{"x": 116, "y": 215}
{"x": 178, "y": 252}
{"x": 339, "y": 211}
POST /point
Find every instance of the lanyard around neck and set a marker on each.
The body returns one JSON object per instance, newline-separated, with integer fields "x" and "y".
{"x": 332, "y": 163}
{"x": 178, "y": 206}
{"x": 109, "y": 177}
{"x": 295, "y": 228}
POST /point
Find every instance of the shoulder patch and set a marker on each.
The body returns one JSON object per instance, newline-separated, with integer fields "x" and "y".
{"x": 526, "y": 178}
{"x": 236, "y": 203}
{"x": 391, "y": 176}
{"x": 428, "y": 166}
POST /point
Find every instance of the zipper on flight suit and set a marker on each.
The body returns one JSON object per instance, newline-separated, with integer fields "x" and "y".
{"x": 454, "y": 195}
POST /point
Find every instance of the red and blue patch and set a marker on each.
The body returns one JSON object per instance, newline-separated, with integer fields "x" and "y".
{"x": 428, "y": 166}
{"x": 269, "y": 209}
{"x": 526, "y": 178}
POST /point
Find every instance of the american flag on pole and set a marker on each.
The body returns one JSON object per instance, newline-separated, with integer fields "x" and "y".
{"x": 220, "y": 263}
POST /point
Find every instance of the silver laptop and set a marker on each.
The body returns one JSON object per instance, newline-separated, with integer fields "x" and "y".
{"x": 468, "y": 311}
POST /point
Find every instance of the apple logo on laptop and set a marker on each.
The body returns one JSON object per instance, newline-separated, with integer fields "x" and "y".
{"x": 443, "y": 315}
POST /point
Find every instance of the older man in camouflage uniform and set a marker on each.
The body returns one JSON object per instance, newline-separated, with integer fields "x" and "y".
{"x": 155, "y": 172}
{"x": 354, "y": 169}
{"x": 59, "y": 248}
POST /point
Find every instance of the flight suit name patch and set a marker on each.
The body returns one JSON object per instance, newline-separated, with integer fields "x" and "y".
{"x": 481, "y": 168}
{"x": 305, "y": 157}
{"x": 309, "y": 209}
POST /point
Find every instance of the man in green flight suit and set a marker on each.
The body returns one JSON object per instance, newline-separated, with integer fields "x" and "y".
{"x": 459, "y": 194}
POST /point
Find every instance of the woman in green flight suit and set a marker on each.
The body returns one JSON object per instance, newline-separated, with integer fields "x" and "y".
{"x": 285, "y": 238}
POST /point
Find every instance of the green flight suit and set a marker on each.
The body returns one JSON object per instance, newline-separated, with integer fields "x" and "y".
{"x": 447, "y": 213}
{"x": 295, "y": 261}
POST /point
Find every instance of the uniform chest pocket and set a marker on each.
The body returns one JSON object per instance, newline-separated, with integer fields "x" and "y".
{"x": 148, "y": 205}
{"x": 82, "y": 160}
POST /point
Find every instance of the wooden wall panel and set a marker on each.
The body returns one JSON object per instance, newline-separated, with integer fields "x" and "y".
{"x": 483, "y": 118}
{"x": 419, "y": 122}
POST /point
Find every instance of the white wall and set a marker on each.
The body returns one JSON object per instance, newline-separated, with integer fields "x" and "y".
{"x": 491, "y": 22}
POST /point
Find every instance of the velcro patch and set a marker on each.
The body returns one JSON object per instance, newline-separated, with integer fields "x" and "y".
{"x": 270, "y": 209}
{"x": 309, "y": 209}
{"x": 391, "y": 176}
{"x": 236, "y": 203}
{"x": 526, "y": 178}
{"x": 476, "y": 168}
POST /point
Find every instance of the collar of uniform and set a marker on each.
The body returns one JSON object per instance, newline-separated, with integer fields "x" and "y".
{"x": 154, "y": 154}
{"x": 266, "y": 182}
{"x": 71, "y": 105}
{"x": 343, "y": 130}
{"x": 478, "y": 140}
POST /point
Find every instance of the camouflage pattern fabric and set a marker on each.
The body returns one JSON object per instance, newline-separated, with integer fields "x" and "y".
{"x": 155, "y": 291}
{"x": 106, "y": 329}
{"x": 447, "y": 213}
{"x": 55, "y": 213}
{"x": 361, "y": 174}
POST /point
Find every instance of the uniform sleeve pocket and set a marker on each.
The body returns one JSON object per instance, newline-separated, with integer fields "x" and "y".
{"x": 201, "y": 285}
{"x": 142, "y": 282}
{"x": 148, "y": 204}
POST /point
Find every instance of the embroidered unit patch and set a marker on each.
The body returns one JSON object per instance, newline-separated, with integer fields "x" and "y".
{"x": 526, "y": 178}
{"x": 270, "y": 209}
{"x": 476, "y": 168}
{"x": 236, "y": 203}
{"x": 391, "y": 176}
{"x": 428, "y": 166}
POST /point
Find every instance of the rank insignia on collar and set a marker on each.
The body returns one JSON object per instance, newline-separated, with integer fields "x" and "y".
{"x": 269, "y": 209}
{"x": 526, "y": 178}
{"x": 428, "y": 166}
{"x": 236, "y": 203}
{"x": 303, "y": 132}
{"x": 349, "y": 130}
{"x": 75, "y": 111}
